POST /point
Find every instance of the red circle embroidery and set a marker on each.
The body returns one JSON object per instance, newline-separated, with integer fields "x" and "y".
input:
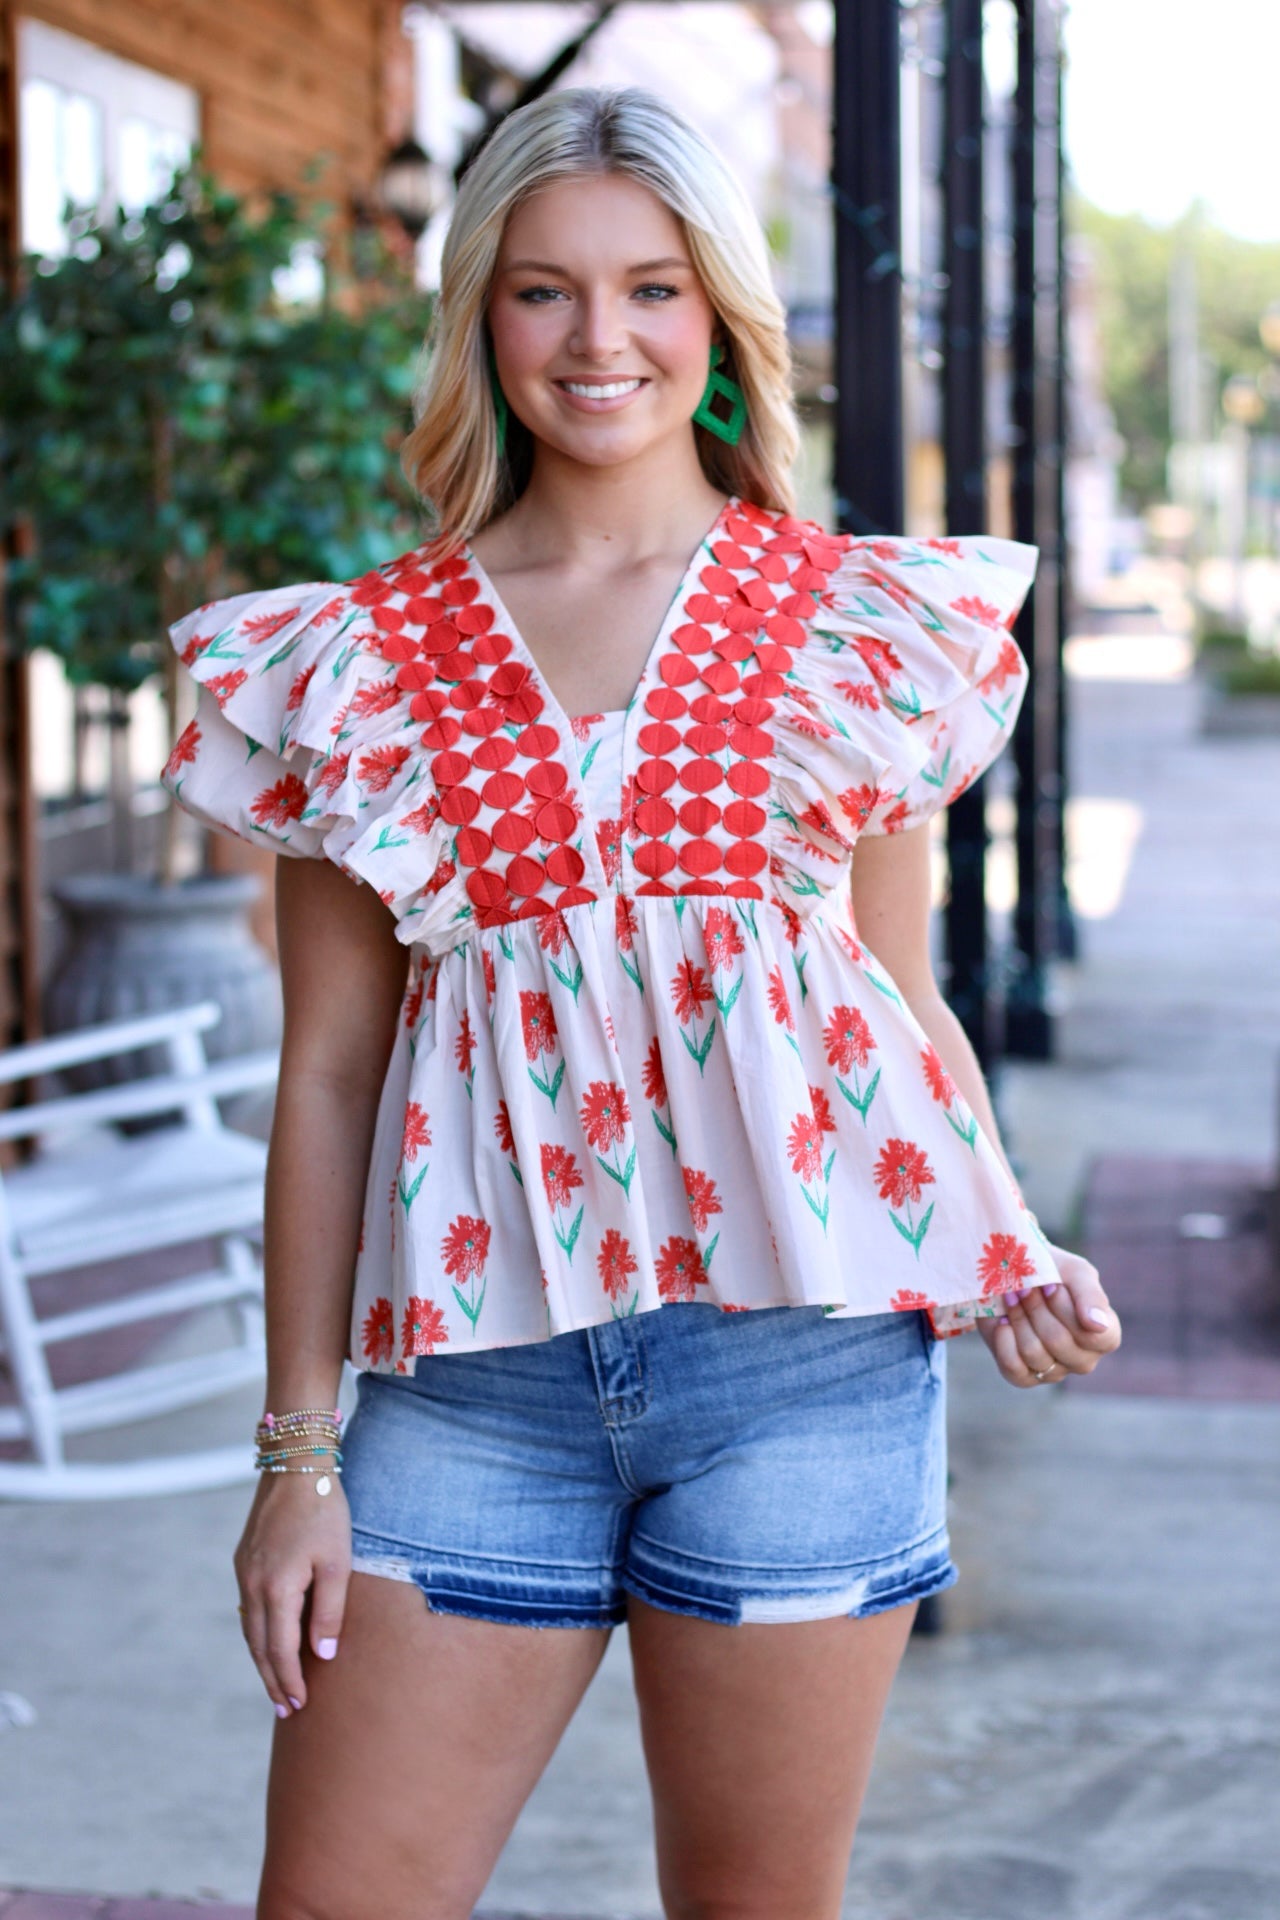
{"x": 720, "y": 677}
{"x": 573, "y": 897}
{"x": 442, "y": 732}
{"x": 508, "y": 679}
{"x": 703, "y": 886}
{"x": 459, "y": 805}
{"x": 699, "y": 856}
{"x": 458, "y": 665}
{"x": 704, "y": 738}
{"x": 491, "y": 648}
{"x": 655, "y": 816}
{"x": 547, "y": 778}
{"x": 442, "y": 638}
{"x": 654, "y": 858}
{"x": 556, "y": 821}
{"x": 657, "y": 739}
{"x": 512, "y": 832}
{"x": 484, "y": 720}
{"x": 699, "y": 815}
{"x": 664, "y": 703}
{"x": 655, "y": 776}
{"x": 701, "y": 776}
{"x": 485, "y": 889}
{"x": 502, "y": 790}
{"x": 498, "y": 751}
{"x": 525, "y": 875}
{"x": 745, "y": 857}
{"x": 473, "y": 846}
{"x": 742, "y": 818}
{"x": 566, "y": 866}
{"x": 692, "y": 639}
{"x": 747, "y": 777}
{"x": 754, "y": 742}
{"x": 538, "y": 742}
{"x": 447, "y": 769}
{"x": 677, "y": 670}
{"x": 474, "y": 619}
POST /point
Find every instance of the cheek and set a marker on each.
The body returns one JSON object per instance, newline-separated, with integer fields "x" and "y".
{"x": 523, "y": 336}
{"x": 680, "y": 343}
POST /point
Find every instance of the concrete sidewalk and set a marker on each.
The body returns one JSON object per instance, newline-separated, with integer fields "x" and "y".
{"x": 1093, "y": 1735}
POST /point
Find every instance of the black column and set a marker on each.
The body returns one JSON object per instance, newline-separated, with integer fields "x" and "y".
{"x": 867, "y": 195}
{"x": 964, "y": 453}
{"x": 1036, "y": 509}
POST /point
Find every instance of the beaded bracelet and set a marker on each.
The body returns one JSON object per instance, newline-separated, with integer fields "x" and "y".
{"x": 316, "y": 1429}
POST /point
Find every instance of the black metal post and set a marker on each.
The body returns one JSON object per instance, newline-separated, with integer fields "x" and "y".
{"x": 964, "y": 452}
{"x": 1028, "y": 1029}
{"x": 1067, "y": 943}
{"x": 867, "y": 195}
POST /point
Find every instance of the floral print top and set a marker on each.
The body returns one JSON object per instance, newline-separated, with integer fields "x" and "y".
{"x": 643, "y": 1056}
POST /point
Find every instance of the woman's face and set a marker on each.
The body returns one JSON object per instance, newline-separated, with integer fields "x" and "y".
{"x": 601, "y": 328}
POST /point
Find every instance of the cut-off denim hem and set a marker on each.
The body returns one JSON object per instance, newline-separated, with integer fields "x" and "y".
{"x": 772, "y": 1466}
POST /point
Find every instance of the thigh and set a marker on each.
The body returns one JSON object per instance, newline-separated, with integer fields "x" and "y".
{"x": 393, "y": 1791}
{"x": 758, "y": 1741}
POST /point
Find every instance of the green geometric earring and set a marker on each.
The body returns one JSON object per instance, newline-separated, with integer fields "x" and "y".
{"x": 728, "y": 396}
{"x": 500, "y": 407}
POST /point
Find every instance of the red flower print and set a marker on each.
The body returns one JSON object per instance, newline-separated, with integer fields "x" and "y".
{"x": 615, "y": 1263}
{"x": 329, "y": 611}
{"x": 1008, "y": 667}
{"x": 604, "y": 1114}
{"x": 299, "y": 688}
{"x": 818, "y": 815}
{"x": 371, "y": 591}
{"x": 331, "y": 773}
{"x": 850, "y": 945}
{"x": 265, "y": 626}
{"x": 422, "y": 818}
{"x": 413, "y": 1004}
{"x": 553, "y": 931}
{"x": 723, "y": 941}
{"x": 679, "y": 1268}
{"x": 730, "y": 1306}
{"x": 560, "y": 1176}
{"x": 812, "y": 727}
{"x": 502, "y": 1129}
{"x": 882, "y": 549}
{"x": 896, "y": 818}
{"x": 859, "y": 694}
{"x": 490, "y": 976}
{"x": 276, "y": 806}
{"x": 464, "y": 1045}
{"x": 861, "y": 802}
{"x": 1004, "y": 1264}
{"x": 779, "y": 1004}
{"x": 185, "y": 748}
{"x": 952, "y": 547}
{"x": 424, "y": 1329}
{"x": 194, "y": 648}
{"x": 792, "y": 923}
{"x": 538, "y": 1023}
{"x": 979, "y": 610}
{"x": 443, "y": 873}
{"x": 378, "y": 1335}
{"x": 941, "y": 1085}
{"x": 415, "y": 1136}
{"x": 624, "y": 922}
{"x": 465, "y": 1247}
{"x": 654, "y": 1080}
{"x": 377, "y": 769}
{"x": 609, "y": 843}
{"x": 689, "y": 991}
{"x": 906, "y": 1301}
{"x": 889, "y": 586}
{"x": 700, "y": 1192}
{"x": 369, "y": 701}
{"x": 879, "y": 657}
{"x": 848, "y": 1039}
{"x": 804, "y": 1145}
{"x": 223, "y": 685}
{"x": 902, "y": 1172}
{"x": 823, "y": 1118}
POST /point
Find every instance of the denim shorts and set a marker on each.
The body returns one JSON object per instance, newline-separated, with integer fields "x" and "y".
{"x": 774, "y": 1465}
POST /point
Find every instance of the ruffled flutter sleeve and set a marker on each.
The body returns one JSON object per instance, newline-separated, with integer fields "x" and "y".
{"x": 911, "y": 641}
{"x": 304, "y": 739}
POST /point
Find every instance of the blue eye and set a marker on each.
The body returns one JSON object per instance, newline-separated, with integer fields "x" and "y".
{"x": 664, "y": 292}
{"x": 533, "y": 295}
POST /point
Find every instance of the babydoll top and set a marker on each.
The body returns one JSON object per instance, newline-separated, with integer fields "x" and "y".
{"x": 643, "y": 1056}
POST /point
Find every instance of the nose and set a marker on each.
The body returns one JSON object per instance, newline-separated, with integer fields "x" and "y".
{"x": 599, "y": 333}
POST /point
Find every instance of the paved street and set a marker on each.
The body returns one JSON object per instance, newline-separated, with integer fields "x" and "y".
{"x": 1093, "y": 1734}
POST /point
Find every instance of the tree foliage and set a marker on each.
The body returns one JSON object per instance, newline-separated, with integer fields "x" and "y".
{"x": 1236, "y": 280}
{"x": 175, "y": 430}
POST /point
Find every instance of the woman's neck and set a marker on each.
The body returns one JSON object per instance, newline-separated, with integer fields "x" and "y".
{"x": 576, "y": 513}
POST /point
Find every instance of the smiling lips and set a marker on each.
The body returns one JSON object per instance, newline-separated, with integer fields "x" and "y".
{"x": 598, "y": 390}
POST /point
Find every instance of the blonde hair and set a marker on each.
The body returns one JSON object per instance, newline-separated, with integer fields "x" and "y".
{"x": 451, "y": 455}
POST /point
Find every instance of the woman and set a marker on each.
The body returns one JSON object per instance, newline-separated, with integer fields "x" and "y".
{"x": 621, "y": 1086}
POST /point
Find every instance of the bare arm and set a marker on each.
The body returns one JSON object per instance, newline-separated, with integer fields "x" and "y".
{"x": 891, "y": 908}
{"x": 343, "y": 974}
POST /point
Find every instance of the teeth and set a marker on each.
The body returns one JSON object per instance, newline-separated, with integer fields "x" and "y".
{"x": 597, "y": 390}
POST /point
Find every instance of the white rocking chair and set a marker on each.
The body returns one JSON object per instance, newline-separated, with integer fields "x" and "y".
{"x": 93, "y": 1194}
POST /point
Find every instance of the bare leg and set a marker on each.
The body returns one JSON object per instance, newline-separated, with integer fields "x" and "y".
{"x": 759, "y": 1741}
{"x": 393, "y": 1791}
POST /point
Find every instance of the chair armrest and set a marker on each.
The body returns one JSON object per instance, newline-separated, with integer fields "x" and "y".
{"x": 107, "y": 1037}
{"x": 161, "y": 1094}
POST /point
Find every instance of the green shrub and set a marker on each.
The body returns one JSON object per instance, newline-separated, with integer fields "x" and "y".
{"x": 1260, "y": 674}
{"x": 1222, "y": 641}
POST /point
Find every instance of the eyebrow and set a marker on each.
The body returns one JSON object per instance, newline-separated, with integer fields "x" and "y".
{"x": 551, "y": 266}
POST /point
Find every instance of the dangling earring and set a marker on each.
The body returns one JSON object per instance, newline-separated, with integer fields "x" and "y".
{"x": 721, "y": 389}
{"x": 500, "y": 407}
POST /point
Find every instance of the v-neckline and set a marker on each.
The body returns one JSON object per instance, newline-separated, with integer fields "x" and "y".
{"x": 564, "y": 720}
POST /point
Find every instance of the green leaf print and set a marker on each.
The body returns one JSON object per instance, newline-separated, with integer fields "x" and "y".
{"x": 798, "y": 962}
{"x": 553, "y": 1088}
{"x": 910, "y": 706}
{"x": 747, "y": 913}
{"x": 700, "y": 1052}
{"x": 999, "y": 715}
{"x": 882, "y": 986}
{"x": 570, "y": 1240}
{"x": 385, "y": 839}
{"x": 472, "y": 1312}
{"x": 508, "y": 952}
{"x": 628, "y": 1311}
{"x": 707, "y": 1253}
{"x": 623, "y": 1178}
{"x": 632, "y": 973}
{"x": 726, "y": 1006}
{"x": 822, "y": 1210}
{"x": 968, "y": 1134}
{"x": 573, "y": 982}
{"x": 588, "y": 757}
{"x": 409, "y": 1194}
{"x": 856, "y": 1097}
{"x": 914, "y": 1235}
{"x": 938, "y": 779}
{"x": 667, "y": 1132}
{"x": 516, "y": 1172}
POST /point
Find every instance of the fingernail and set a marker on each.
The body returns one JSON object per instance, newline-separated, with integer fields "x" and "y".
{"x": 292, "y": 1702}
{"x": 326, "y": 1649}
{"x": 281, "y": 1710}
{"x": 1049, "y": 1288}
{"x": 1099, "y": 1317}
{"x": 1003, "y": 1320}
{"x": 1012, "y": 1299}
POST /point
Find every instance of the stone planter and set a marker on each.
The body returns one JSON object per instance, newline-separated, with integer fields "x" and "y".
{"x": 133, "y": 946}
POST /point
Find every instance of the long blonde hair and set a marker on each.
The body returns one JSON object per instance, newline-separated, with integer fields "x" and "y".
{"x": 451, "y": 455}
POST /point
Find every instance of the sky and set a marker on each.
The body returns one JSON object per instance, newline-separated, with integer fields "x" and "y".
{"x": 1173, "y": 100}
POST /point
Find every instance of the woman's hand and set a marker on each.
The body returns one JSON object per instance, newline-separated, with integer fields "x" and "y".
{"x": 294, "y": 1540}
{"x": 1052, "y": 1330}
